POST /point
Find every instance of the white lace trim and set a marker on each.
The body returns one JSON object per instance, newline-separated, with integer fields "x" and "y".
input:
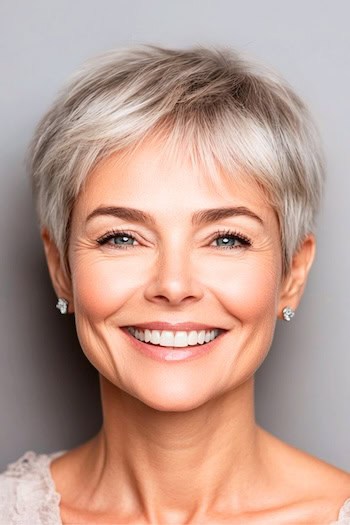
{"x": 344, "y": 514}
{"x": 28, "y": 493}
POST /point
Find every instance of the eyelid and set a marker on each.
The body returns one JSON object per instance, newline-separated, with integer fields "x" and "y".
{"x": 103, "y": 239}
{"x": 246, "y": 241}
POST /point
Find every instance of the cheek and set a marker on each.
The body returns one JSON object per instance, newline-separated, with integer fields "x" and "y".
{"x": 248, "y": 288}
{"x": 101, "y": 286}
{"x": 249, "y": 292}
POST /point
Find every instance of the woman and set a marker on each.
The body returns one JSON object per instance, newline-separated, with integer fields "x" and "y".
{"x": 177, "y": 193}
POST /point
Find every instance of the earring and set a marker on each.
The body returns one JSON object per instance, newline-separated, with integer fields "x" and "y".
{"x": 288, "y": 313}
{"x": 62, "y": 305}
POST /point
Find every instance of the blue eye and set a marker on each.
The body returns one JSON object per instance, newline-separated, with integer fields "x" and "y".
{"x": 231, "y": 240}
{"x": 117, "y": 239}
{"x": 122, "y": 240}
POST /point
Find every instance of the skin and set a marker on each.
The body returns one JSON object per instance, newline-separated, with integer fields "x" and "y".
{"x": 179, "y": 442}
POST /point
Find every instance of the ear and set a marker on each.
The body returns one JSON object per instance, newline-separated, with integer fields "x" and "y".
{"x": 294, "y": 283}
{"x": 59, "y": 278}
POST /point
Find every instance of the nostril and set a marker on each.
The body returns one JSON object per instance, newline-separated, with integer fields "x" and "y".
{"x": 173, "y": 298}
{"x": 173, "y": 290}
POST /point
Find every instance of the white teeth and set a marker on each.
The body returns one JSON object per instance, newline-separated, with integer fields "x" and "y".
{"x": 178, "y": 339}
{"x": 167, "y": 338}
{"x": 147, "y": 336}
{"x": 155, "y": 337}
{"x": 201, "y": 337}
{"x": 192, "y": 338}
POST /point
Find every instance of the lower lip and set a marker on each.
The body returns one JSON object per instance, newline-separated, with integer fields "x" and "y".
{"x": 172, "y": 354}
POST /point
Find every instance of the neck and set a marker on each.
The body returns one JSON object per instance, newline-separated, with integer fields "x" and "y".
{"x": 172, "y": 465}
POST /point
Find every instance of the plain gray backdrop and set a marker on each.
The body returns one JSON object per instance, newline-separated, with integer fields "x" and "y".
{"x": 49, "y": 396}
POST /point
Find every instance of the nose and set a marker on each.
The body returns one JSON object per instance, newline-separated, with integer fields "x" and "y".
{"x": 173, "y": 280}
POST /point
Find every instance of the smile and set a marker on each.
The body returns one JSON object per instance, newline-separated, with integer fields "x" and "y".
{"x": 174, "y": 339}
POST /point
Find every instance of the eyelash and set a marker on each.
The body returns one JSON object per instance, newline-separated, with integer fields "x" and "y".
{"x": 243, "y": 239}
{"x": 115, "y": 233}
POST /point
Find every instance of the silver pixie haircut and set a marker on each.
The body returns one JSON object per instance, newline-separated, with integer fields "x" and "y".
{"x": 231, "y": 114}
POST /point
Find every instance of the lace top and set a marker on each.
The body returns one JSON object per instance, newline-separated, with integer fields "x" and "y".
{"x": 28, "y": 495}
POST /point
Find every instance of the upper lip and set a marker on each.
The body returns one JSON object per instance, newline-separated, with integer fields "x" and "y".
{"x": 159, "y": 325}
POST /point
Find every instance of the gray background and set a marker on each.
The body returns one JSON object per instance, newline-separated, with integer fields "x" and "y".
{"x": 48, "y": 391}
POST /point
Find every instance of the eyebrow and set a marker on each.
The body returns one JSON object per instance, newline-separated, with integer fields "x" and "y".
{"x": 128, "y": 214}
{"x": 217, "y": 214}
{"x": 198, "y": 218}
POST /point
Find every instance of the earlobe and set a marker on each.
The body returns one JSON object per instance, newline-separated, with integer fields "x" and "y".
{"x": 295, "y": 282}
{"x": 59, "y": 278}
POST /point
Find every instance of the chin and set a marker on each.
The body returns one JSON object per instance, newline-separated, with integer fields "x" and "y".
{"x": 173, "y": 396}
{"x": 174, "y": 405}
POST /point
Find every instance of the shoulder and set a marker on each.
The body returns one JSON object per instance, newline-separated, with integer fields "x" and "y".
{"x": 333, "y": 485}
{"x": 324, "y": 490}
{"x": 27, "y": 493}
{"x": 311, "y": 484}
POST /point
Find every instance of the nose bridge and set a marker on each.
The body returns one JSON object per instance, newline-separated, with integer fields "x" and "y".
{"x": 174, "y": 277}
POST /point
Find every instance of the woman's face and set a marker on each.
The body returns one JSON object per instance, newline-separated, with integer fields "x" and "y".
{"x": 220, "y": 270}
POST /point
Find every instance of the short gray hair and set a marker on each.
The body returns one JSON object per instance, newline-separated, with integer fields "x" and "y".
{"x": 229, "y": 111}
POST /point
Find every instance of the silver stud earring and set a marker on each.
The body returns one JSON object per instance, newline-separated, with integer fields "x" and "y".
{"x": 288, "y": 313}
{"x": 62, "y": 305}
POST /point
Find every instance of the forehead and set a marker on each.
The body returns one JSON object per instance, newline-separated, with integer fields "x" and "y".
{"x": 156, "y": 178}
